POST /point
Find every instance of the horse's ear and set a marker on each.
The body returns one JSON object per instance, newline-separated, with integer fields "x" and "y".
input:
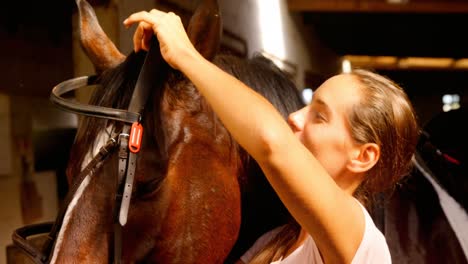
{"x": 205, "y": 28}
{"x": 100, "y": 49}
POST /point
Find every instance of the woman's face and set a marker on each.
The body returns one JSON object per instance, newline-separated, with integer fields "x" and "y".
{"x": 322, "y": 126}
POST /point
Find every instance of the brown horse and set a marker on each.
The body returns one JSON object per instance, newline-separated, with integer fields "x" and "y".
{"x": 198, "y": 196}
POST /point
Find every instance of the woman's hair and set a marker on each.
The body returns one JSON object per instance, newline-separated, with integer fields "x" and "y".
{"x": 279, "y": 245}
{"x": 384, "y": 116}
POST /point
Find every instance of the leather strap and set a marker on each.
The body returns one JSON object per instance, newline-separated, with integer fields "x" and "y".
{"x": 127, "y": 193}
{"x": 127, "y": 159}
{"x": 122, "y": 169}
{"x": 89, "y": 110}
{"x": 20, "y": 236}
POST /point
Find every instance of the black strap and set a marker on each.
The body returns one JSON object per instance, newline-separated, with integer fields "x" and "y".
{"x": 127, "y": 159}
{"x": 89, "y": 110}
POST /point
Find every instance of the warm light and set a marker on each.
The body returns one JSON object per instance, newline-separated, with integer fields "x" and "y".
{"x": 446, "y": 108}
{"x": 397, "y": 2}
{"x": 346, "y": 66}
{"x": 307, "y": 95}
{"x": 358, "y": 59}
{"x": 271, "y": 27}
{"x": 392, "y": 62}
{"x": 385, "y": 60}
{"x": 371, "y": 61}
{"x": 417, "y": 62}
{"x": 450, "y": 102}
{"x": 461, "y": 64}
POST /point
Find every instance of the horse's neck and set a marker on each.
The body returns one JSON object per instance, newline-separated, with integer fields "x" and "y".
{"x": 89, "y": 215}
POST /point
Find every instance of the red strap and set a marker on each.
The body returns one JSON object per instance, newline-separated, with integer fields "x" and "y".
{"x": 451, "y": 159}
{"x": 136, "y": 135}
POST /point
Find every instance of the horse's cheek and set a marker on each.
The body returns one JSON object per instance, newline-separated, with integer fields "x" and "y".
{"x": 203, "y": 204}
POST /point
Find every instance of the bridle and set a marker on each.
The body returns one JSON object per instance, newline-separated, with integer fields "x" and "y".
{"x": 128, "y": 143}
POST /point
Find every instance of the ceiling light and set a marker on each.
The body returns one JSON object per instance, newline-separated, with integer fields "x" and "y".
{"x": 397, "y": 2}
{"x": 346, "y": 66}
{"x": 419, "y": 62}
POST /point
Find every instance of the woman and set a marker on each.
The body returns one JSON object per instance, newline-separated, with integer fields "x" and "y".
{"x": 356, "y": 138}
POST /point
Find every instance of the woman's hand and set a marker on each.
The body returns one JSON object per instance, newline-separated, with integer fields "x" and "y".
{"x": 173, "y": 40}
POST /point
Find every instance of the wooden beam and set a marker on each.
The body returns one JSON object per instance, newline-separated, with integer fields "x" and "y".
{"x": 407, "y": 63}
{"x": 368, "y": 6}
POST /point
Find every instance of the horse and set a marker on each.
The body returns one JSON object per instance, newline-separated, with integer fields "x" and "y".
{"x": 418, "y": 218}
{"x": 198, "y": 197}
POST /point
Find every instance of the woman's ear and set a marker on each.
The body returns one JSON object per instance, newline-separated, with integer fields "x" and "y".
{"x": 365, "y": 157}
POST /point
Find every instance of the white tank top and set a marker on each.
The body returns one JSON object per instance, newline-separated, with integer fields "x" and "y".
{"x": 373, "y": 247}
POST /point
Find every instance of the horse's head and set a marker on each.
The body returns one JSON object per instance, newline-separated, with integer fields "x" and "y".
{"x": 190, "y": 173}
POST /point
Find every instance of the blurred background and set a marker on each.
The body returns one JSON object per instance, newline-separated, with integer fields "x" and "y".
{"x": 421, "y": 44}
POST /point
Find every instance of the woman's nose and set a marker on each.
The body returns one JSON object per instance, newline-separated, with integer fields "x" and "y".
{"x": 296, "y": 121}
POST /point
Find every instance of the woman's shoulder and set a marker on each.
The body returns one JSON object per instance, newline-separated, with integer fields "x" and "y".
{"x": 373, "y": 247}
